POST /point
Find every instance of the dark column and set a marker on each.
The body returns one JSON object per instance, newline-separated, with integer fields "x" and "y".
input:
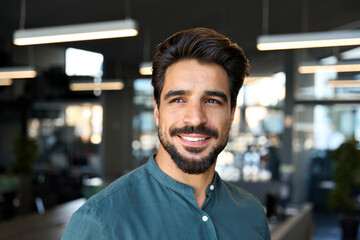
{"x": 118, "y": 114}
{"x": 117, "y": 132}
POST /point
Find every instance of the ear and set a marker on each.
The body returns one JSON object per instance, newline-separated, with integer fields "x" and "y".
{"x": 156, "y": 114}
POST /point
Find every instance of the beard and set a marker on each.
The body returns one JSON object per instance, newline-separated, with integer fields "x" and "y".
{"x": 193, "y": 165}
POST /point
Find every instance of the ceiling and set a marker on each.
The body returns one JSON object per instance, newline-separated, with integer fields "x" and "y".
{"x": 241, "y": 21}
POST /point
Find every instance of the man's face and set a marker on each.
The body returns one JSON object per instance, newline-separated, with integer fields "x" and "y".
{"x": 194, "y": 116}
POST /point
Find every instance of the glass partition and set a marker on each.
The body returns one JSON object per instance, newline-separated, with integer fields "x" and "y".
{"x": 326, "y": 113}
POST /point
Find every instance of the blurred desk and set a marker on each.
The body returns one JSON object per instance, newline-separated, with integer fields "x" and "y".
{"x": 48, "y": 226}
{"x": 297, "y": 227}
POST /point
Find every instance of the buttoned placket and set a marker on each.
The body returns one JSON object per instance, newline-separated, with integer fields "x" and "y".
{"x": 209, "y": 227}
{"x": 209, "y": 191}
{"x": 188, "y": 193}
{"x": 207, "y": 224}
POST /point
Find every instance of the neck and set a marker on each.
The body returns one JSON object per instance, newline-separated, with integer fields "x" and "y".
{"x": 198, "y": 182}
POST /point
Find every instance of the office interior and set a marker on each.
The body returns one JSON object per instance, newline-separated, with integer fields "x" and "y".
{"x": 60, "y": 144}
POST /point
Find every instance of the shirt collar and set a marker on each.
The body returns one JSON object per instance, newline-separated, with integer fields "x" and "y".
{"x": 169, "y": 182}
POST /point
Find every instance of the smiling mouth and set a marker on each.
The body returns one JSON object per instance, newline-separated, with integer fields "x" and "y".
{"x": 193, "y": 139}
{"x": 194, "y": 134}
{"x": 194, "y": 144}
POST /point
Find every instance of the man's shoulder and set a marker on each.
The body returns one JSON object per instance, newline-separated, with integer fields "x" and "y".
{"x": 241, "y": 194}
{"x": 243, "y": 201}
{"x": 119, "y": 189}
{"x": 95, "y": 217}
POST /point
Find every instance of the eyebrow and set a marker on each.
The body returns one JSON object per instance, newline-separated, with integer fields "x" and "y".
{"x": 176, "y": 93}
{"x": 220, "y": 94}
{"x": 173, "y": 93}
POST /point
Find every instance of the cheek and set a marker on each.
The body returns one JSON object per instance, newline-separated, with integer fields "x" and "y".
{"x": 163, "y": 120}
{"x": 171, "y": 116}
{"x": 227, "y": 126}
{"x": 221, "y": 120}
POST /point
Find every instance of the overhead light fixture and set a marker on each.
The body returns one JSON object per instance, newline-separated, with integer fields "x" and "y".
{"x": 77, "y": 32}
{"x": 17, "y": 72}
{"x": 339, "y": 67}
{"x": 6, "y": 82}
{"x": 308, "y": 40}
{"x": 344, "y": 83}
{"x": 145, "y": 68}
{"x": 91, "y": 86}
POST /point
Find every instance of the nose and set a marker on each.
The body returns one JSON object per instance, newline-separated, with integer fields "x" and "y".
{"x": 195, "y": 114}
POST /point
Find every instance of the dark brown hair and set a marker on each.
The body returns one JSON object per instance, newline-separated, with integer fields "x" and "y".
{"x": 204, "y": 45}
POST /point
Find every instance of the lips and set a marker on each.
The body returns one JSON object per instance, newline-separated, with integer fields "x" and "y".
{"x": 194, "y": 143}
{"x": 192, "y": 139}
{"x": 194, "y": 132}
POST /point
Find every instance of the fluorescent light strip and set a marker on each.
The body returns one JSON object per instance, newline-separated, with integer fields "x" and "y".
{"x": 17, "y": 72}
{"x": 145, "y": 68}
{"x": 344, "y": 83}
{"x": 96, "y": 86}
{"x": 308, "y": 40}
{"x": 6, "y": 82}
{"x": 329, "y": 68}
{"x": 78, "y": 32}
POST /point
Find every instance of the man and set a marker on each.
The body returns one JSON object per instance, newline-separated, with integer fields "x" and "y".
{"x": 197, "y": 74}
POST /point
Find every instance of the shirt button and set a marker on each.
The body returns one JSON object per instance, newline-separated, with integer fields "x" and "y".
{"x": 205, "y": 218}
{"x": 212, "y": 187}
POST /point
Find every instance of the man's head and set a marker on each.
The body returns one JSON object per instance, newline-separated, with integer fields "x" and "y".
{"x": 204, "y": 45}
{"x": 197, "y": 75}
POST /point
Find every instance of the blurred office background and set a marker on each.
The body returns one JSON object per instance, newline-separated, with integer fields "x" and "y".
{"x": 59, "y": 143}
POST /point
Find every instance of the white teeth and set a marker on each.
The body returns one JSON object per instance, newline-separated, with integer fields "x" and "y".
{"x": 193, "y": 139}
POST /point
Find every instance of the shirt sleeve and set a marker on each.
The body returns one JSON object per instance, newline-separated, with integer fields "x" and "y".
{"x": 267, "y": 235}
{"x": 85, "y": 223}
{"x": 267, "y": 231}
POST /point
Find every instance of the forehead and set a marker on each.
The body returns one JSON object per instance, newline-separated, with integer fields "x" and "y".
{"x": 196, "y": 76}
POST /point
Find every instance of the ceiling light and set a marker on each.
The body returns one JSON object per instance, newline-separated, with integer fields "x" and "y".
{"x": 308, "y": 40}
{"x": 77, "y": 32}
{"x": 17, "y": 72}
{"x": 91, "y": 86}
{"x": 145, "y": 68}
{"x": 340, "y": 67}
{"x": 6, "y": 82}
{"x": 344, "y": 83}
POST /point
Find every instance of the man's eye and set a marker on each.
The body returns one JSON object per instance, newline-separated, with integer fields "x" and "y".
{"x": 177, "y": 100}
{"x": 213, "y": 101}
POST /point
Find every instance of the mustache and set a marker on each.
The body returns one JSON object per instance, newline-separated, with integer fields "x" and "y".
{"x": 201, "y": 129}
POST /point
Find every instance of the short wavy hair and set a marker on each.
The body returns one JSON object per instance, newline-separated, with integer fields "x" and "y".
{"x": 204, "y": 45}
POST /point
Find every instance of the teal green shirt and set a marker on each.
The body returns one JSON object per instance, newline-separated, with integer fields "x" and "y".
{"x": 148, "y": 204}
